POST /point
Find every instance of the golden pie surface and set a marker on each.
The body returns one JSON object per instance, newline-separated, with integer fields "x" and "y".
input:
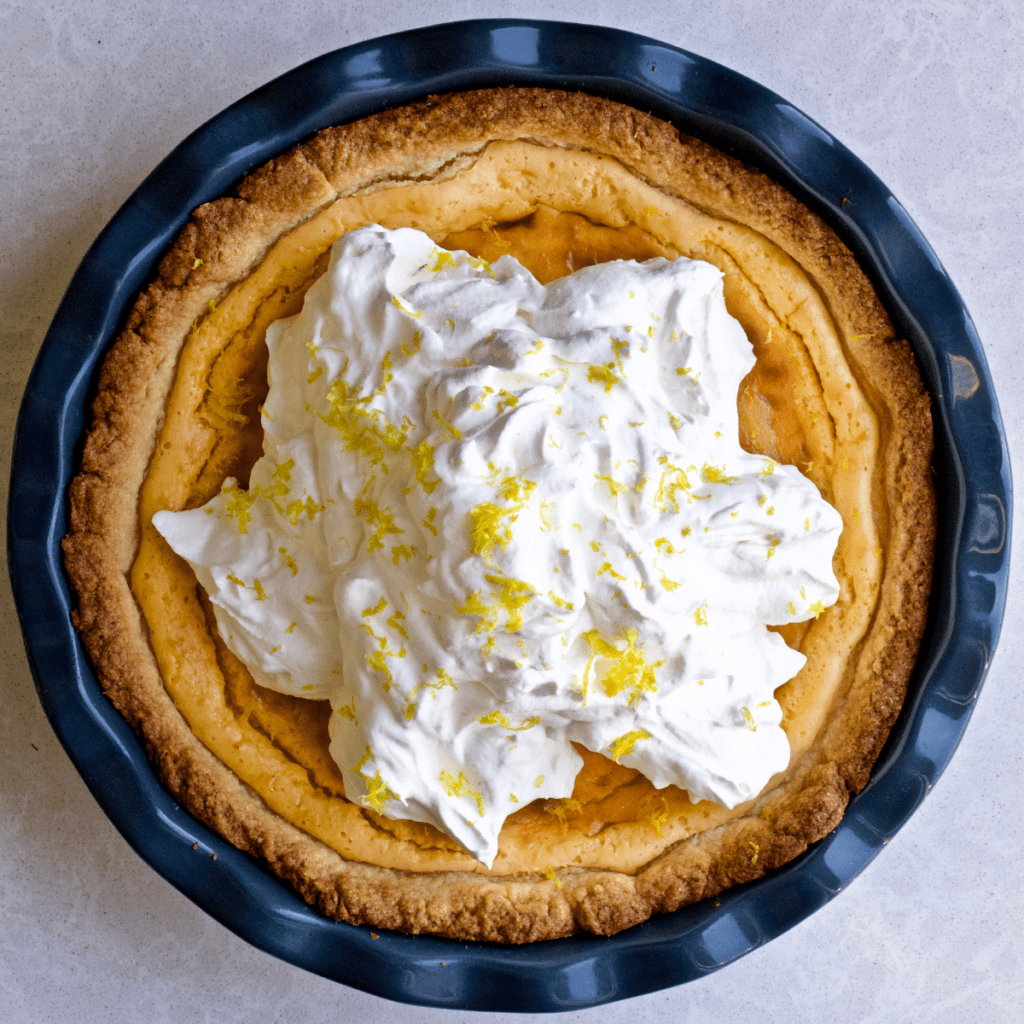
{"x": 559, "y": 181}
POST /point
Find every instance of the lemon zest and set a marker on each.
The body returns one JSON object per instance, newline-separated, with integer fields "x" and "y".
{"x": 363, "y": 429}
{"x": 561, "y": 809}
{"x": 452, "y": 430}
{"x": 442, "y": 259}
{"x": 297, "y": 507}
{"x": 497, "y": 718}
{"x": 604, "y": 375}
{"x": 460, "y": 787}
{"x": 405, "y": 551}
{"x": 380, "y": 518}
{"x": 716, "y": 475}
{"x": 408, "y": 312}
{"x": 624, "y": 744}
{"x": 657, "y": 820}
{"x": 629, "y": 669}
{"x": 289, "y": 561}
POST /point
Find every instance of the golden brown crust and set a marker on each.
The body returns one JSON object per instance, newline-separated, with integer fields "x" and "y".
{"x": 434, "y": 139}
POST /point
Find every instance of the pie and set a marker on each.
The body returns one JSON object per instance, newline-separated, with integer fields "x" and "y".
{"x": 560, "y": 181}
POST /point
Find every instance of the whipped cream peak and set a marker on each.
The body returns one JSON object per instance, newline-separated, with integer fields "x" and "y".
{"x": 494, "y": 518}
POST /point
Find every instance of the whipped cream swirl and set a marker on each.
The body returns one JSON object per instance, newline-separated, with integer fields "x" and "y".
{"x": 494, "y": 518}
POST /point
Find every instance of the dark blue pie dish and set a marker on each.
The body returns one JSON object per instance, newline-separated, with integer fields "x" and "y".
{"x": 700, "y": 98}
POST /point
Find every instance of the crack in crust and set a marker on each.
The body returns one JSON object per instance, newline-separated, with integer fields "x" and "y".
{"x": 222, "y": 243}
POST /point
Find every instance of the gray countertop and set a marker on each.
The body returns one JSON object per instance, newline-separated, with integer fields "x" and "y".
{"x": 929, "y": 95}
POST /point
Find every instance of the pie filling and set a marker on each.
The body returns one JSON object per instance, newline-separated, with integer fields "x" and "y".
{"x": 555, "y": 210}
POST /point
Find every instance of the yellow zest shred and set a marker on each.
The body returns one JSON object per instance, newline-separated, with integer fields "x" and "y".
{"x": 451, "y": 429}
{"x": 604, "y": 375}
{"x": 511, "y": 596}
{"x": 613, "y": 485}
{"x": 497, "y": 718}
{"x": 659, "y": 819}
{"x": 378, "y": 793}
{"x": 289, "y": 561}
{"x": 363, "y": 429}
{"x": 607, "y": 567}
{"x": 238, "y": 506}
{"x": 489, "y": 523}
{"x": 423, "y": 463}
{"x": 628, "y": 668}
{"x": 673, "y": 480}
{"x": 442, "y": 679}
{"x": 380, "y": 518}
{"x": 624, "y": 744}
{"x": 460, "y": 787}
{"x": 442, "y": 259}
{"x": 408, "y": 312}
{"x": 386, "y": 375}
{"x": 559, "y": 809}
{"x": 402, "y": 551}
{"x": 375, "y": 609}
{"x": 716, "y": 474}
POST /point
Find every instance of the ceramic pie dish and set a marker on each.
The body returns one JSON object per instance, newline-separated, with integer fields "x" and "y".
{"x": 498, "y": 36}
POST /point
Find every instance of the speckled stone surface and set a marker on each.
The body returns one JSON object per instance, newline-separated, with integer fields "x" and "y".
{"x": 929, "y": 95}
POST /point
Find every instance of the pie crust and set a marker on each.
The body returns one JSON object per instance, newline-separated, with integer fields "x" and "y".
{"x": 568, "y": 868}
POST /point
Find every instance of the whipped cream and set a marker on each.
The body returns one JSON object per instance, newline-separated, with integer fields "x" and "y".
{"x": 495, "y": 517}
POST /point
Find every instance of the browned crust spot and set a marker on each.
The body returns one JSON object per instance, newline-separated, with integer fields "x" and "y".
{"x": 433, "y": 139}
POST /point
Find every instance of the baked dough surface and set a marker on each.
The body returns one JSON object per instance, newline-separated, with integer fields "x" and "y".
{"x": 176, "y": 413}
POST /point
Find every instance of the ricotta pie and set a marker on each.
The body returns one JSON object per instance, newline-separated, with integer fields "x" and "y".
{"x": 602, "y": 839}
